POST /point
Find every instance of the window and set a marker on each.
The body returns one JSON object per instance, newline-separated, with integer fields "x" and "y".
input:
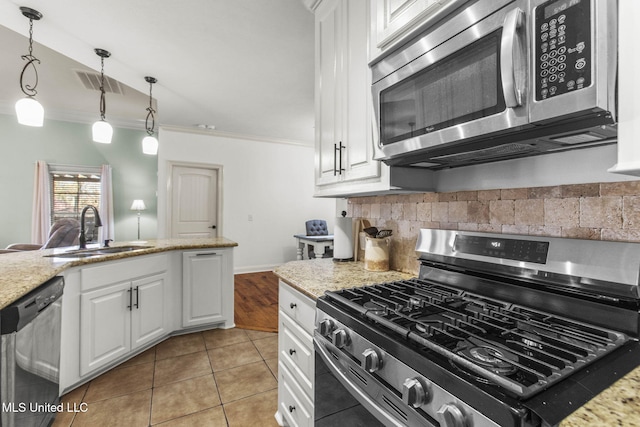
{"x": 72, "y": 188}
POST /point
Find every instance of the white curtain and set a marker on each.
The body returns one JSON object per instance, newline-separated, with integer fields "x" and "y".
{"x": 107, "y": 231}
{"x": 41, "y": 213}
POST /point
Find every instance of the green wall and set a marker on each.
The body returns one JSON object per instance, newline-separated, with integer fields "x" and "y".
{"x": 134, "y": 173}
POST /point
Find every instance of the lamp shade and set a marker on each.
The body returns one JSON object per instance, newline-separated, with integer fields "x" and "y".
{"x": 102, "y": 132}
{"x": 29, "y": 112}
{"x": 150, "y": 145}
{"x": 138, "y": 205}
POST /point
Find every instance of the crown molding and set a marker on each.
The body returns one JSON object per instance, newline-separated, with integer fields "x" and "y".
{"x": 246, "y": 137}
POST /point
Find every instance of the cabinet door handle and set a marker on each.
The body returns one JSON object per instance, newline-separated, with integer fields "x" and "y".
{"x": 291, "y": 352}
{"x": 337, "y": 159}
{"x": 130, "y": 299}
{"x": 292, "y": 408}
{"x": 207, "y": 254}
{"x": 292, "y": 305}
{"x": 137, "y": 297}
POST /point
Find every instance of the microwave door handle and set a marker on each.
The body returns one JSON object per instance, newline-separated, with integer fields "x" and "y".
{"x": 512, "y": 22}
{"x": 378, "y": 154}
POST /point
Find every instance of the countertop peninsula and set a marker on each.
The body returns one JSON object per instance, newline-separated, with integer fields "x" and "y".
{"x": 21, "y": 272}
{"x": 619, "y": 405}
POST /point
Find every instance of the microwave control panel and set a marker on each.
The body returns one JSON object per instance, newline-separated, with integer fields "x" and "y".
{"x": 562, "y": 31}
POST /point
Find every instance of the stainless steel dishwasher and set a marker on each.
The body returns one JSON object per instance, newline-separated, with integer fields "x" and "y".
{"x": 30, "y": 364}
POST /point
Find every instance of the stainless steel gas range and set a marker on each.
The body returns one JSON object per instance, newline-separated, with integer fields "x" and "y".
{"x": 496, "y": 330}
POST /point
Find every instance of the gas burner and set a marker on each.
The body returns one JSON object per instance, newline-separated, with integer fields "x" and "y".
{"x": 374, "y": 308}
{"x": 428, "y": 327}
{"x": 490, "y": 358}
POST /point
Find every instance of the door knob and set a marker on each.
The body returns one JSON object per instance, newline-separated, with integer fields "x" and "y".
{"x": 213, "y": 226}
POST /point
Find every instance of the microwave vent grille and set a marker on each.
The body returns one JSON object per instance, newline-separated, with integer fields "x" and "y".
{"x": 492, "y": 152}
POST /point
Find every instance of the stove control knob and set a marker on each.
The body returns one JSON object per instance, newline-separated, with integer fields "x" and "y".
{"x": 326, "y": 327}
{"x": 371, "y": 360}
{"x": 340, "y": 338}
{"x": 450, "y": 415}
{"x": 415, "y": 392}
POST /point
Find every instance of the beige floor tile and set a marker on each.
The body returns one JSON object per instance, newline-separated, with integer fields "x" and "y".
{"x": 233, "y": 355}
{"x": 131, "y": 410}
{"x": 257, "y": 410}
{"x": 273, "y": 366}
{"x": 185, "y": 392}
{"x": 244, "y": 381}
{"x": 74, "y": 397}
{"x": 268, "y": 347}
{"x": 147, "y": 356}
{"x": 63, "y": 419}
{"x": 120, "y": 381}
{"x": 223, "y": 337}
{"x": 213, "y": 417}
{"x": 256, "y": 335}
{"x": 183, "y": 398}
{"x": 181, "y": 368}
{"x": 179, "y": 345}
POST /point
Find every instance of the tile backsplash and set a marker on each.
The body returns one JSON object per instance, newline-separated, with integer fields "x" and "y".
{"x": 599, "y": 211}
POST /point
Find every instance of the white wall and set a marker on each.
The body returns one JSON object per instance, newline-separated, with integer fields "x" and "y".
{"x": 271, "y": 181}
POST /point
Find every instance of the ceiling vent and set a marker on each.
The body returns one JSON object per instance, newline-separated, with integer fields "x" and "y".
{"x": 91, "y": 81}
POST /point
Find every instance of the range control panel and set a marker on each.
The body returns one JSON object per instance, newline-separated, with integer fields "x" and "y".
{"x": 562, "y": 31}
{"x": 518, "y": 250}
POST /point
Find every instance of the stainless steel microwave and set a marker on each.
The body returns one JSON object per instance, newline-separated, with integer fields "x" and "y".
{"x": 499, "y": 79}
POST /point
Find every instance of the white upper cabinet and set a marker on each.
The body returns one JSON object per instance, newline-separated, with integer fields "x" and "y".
{"x": 344, "y": 144}
{"x": 345, "y": 126}
{"x": 393, "y": 17}
{"x": 397, "y": 20}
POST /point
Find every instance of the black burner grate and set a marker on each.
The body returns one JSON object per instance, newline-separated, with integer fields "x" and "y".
{"x": 517, "y": 348}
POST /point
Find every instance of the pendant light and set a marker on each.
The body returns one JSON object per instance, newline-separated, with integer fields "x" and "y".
{"x": 102, "y": 131}
{"x": 150, "y": 143}
{"x": 28, "y": 110}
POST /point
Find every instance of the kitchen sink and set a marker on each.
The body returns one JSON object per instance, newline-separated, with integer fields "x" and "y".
{"x": 85, "y": 253}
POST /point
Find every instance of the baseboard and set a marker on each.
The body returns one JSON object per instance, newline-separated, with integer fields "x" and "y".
{"x": 254, "y": 268}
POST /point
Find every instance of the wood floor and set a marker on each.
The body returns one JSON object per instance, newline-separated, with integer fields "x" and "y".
{"x": 256, "y": 301}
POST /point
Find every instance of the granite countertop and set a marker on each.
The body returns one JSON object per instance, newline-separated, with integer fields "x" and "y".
{"x": 619, "y": 405}
{"x": 313, "y": 277}
{"x": 21, "y": 272}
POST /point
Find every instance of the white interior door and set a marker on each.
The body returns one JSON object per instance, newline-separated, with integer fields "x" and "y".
{"x": 195, "y": 201}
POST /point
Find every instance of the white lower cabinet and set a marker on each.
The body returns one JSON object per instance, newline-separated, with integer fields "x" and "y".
{"x": 147, "y": 321}
{"x": 292, "y": 401}
{"x": 207, "y": 287}
{"x": 105, "y": 326}
{"x": 113, "y": 310}
{"x": 119, "y": 316}
{"x": 295, "y": 357}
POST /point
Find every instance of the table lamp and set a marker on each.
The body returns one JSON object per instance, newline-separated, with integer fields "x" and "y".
{"x": 138, "y": 205}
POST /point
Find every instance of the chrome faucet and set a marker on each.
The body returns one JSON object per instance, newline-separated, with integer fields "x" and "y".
{"x": 98, "y": 223}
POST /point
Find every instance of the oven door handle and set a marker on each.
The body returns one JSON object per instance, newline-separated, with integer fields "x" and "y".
{"x": 512, "y": 22}
{"x": 354, "y": 390}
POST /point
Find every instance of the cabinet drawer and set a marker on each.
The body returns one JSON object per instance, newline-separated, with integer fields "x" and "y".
{"x": 299, "y": 307}
{"x": 296, "y": 350}
{"x": 293, "y": 405}
{"x": 110, "y": 272}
